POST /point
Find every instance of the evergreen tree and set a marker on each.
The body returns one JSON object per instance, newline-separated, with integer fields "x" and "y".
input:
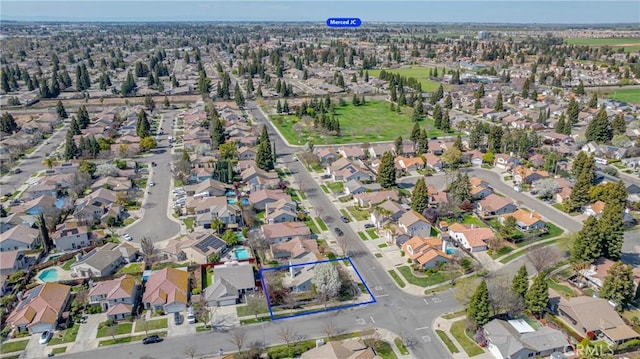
{"x": 415, "y": 133}
{"x": 387, "y": 171}
{"x": 478, "y": 308}
{"x": 8, "y": 123}
{"x": 520, "y": 282}
{"x": 62, "y": 112}
{"x": 264, "y": 157}
{"x": 499, "y": 107}
{"x": 619, "y": 286}
{"x": 580, "y": 88}
{"x": 83, "y": 117}
{"x": 458, "y": 143}
{"x": 278, "y": 107}
{"x": 237, "y": 95}
{"x": 480, "y": 92}
{"x": 537, "y": 297}
{"x": 70, "y": 148}
{"x": 398, "y": 145}
{"x": 445, "y": 124}
{"x": 599, "y": 129}
{"x": 460, "y": 188}
{"x": 74, "y": 127}
{"x": 593, "y": 102}
{"x": 448, "y": 103}
{"x": 437, "y": 116}
{"x": 477, "y": 136}
{"x": 580, "y": 194}
{"x": 611, "y": 229}
{"x": 439, "y": 93}
{"x": 559, "y": 128}
{"x": 573, "y": 110}
{"x": 618, "y": 125}
{"x": 143, "y": 127}
{"x": 580, "y": 161}
{"x": 476, "y": 105}
{"x": 420, "y": 196}
{"x": 166, "y": 103}
{"x": 586, "y": 246}
{"x": 217, "y": 132}
{"x": 285, "y": 106}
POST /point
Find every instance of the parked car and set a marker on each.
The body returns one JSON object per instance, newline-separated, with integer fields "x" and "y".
{"x": 338, "y": 231}
{"x": 191, "y": 318}
{"x": 45, "y": 337}
{"x": 151, "y": 339}
{"x": 368, "y": 225}
{"x": 344, "y": 219}
{"x": 177, "y": 318}
{"x": 151, "y": 184}
{"x": 17, "y": 170}
{"x": 127, "y": 237}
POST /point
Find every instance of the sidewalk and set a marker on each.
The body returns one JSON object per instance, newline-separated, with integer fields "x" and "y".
{"x": 445, "y": 325}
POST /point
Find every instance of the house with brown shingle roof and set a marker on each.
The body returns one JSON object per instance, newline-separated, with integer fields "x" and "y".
{"x": 19, "y": 237}
{"x": 167, "y": 290}
{"x": 472, "y": 238}
{"x": 525, "y": 220}
{"x": 494, "y": 205}
{"x": 426, "y": 251}
{"x": 414, "y": 224}
{"x": 40, "y": 308}
{"x": 282, "y": 232}
{"x": 373, "y": 198}
{"x": 563, "y": 194}
{"x": 294, "y": 248}
{"x": 116, "y": 297}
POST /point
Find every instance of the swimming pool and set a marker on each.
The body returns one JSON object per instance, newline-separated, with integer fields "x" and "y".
{"x": 241, "y": 253}
{"x": 54, "y": 256}
{"x": 49, "y": 275}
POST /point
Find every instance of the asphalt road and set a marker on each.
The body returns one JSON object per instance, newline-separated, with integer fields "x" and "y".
{"x": 155, "y": 224}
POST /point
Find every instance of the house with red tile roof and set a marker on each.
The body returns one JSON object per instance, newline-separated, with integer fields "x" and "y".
{"x": 426, "y": 251}
{"x": 595, "y": 209}
{"x": 294, "y": 248}
{"x": 167, "y": 290}
{"x": 40, "y": 308}
{"x": 116, "y": 297}
{"x": 282, "y": 232}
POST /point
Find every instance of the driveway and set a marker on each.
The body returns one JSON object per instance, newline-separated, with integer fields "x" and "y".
{"x": 35, "y": 349}
{"x": 86, "y": 338}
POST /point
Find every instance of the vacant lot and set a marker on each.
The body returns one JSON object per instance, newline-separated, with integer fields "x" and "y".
{"x": 626, "y": 95}
{"x": 630, "y": 44}
{"x": 419, "y": 73}
{"x": 371, "y": 122}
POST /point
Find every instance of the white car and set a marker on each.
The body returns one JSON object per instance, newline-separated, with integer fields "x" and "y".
{"x": 45, "y": 337}
{"x": 151, "y": 184}
{"x": 127, "y": 237}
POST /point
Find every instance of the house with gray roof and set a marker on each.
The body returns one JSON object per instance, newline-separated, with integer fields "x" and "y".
{"x": 514, "y": 339}
{"x": 100, "y": 262}
{"x": 230, "y": 283}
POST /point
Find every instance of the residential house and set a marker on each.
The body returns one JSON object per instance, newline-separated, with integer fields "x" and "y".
{"x": 19, "y": 237}
{"x": 368, "y": 199}
{"x": 433, "y": 162}
{"x": 207, "y": 209}
{"x": 256, "y": 178}
{"x": 300, "y": 274}
{"x": 351, "y": 172}
{"x": 505, "y": 162}
{"x": 494, "y": 205}
{"x": 596, "y": 273}
{"x": 475, "y": 157}
{"x": 200, "y": 174}
{"x": 100, "y": 262}
{"x": 414, "y": 224}
{"x": 471, "y": 238}
{"x": 513, "y": 339}
{"x": 352, "y": 152}
{"x": 595, "y": 209}
{"x": 246, "y": 153}
{"x": 525, "y": 220}
{"x": 294, "y": 248}
{"x": 260, "y": 199}
{"x": 116, "y": 184}
{"x": 378, "y": 149}
{"x": 40, "y": 308}
{"x": 210, "y": 186}
{"x": 563, "y": 194}
{"x": 35, "y": 206}
{"x": 354, "y": 187}
{"x": 69, "y": 236}
{"x": 589, "y": 314}
{"x": 387, "y": 211}
{"x": 116, "y": 297}
{"x": 325, "y": 155}
{"x": 525, "y": 175}
{"x": 281, "y": 232}
{"x": 167, "y": 290}
{"x": 230, "y": 283}
{"x": 347, "y": 349}
{"x": 98, "y": 206}
{"x": 40, "y": 189}
{"x": 281, "y": 211}
{"x": 11, "y": 262}
{"x": 428, "y": 252}
{"x": 67, "y": 167}
{"x": 479, "y": 188}
{"x": 409, "y": 164}
{"x": 199, "y": 247}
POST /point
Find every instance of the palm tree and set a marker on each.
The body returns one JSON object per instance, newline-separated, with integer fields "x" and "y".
{"x": 217, "y": 225}
{"x": 49, "y": 162}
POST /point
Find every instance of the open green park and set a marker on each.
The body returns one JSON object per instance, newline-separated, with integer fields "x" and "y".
{"x": 372, "y": 122}
{"x": 630, "y": 44}
{"x": 419, "y": 73}
{"x": 625, "y": 95}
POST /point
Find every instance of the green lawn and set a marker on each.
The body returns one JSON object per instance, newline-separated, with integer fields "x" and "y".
{"x": 254, "y": 320}
{"x": 10, "y": 347}
{"x": 65, "y": 336}
{"x": 133, "y": 338}
{"x": 459, "y": 313}
{"x": 324, "y": 188}
{"x": 132, "y": 268}
{"x": 426, "y": 281}
{"x": 471, "y": 219}
{"x": 122, "y": 328}
{"x": 458, "y": 331}
{"x": 243, "y": 312}
{"x": 383, "y": 245}
{"x": 384, "y": 350}
{"x": 630, "y": 44}
{"x": 151, "y": 324}
{"x": 360, "y": 214}
{"x": 208, "y": 278}
{"x": 626, "y": 95}
{"x": 521, "y": 252}
{"x": 302, "y": 194}
{"x": 554, "y": 231}
{"x": 396, "y": 277}
{"x": 188, "y": 222}
{"x": 336, "y": 187}
{"x": 372, "y": 233}
{"x": 58, "y": 350}
{"x": 400, "y": 345}
{"x": 346, "y": 214}
{"x": 371, "y": 122}
{"x": 363, "y": 236}
{"x": 447, "y": 341}
{"x": 312, "y": 226}
{"x": 321, "y": 224}
{"x": 67, "y": 265}
{"x": 560, "y": 288}
{"x": 419, "y": 73}
{"x": 378, "y": 255}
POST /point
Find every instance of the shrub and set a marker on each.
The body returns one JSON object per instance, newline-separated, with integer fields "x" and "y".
{"x": 195, "y": 291}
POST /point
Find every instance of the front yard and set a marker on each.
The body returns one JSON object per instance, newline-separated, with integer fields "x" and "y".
{"x": 151, "y": 324}
{"x": 121, "y": 328}
{"x": 336, "y": 187}
{"x": 458, "y": 331}
{"x": 360, "y": 214}
{"x": 14, "y": 346}
{"x": 65, "y": 336}
{"x": 422, "y": 281}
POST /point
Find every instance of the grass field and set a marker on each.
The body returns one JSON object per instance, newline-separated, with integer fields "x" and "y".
{"x": 152, "y": 325}
{"x": 396, "y": 277}
{"x": 371, "y": 122}
{"x": 419, "y": 73}
{"x": 626, "y": 95}
{"x": 458, "y": 331}
{"x": 10, "y": 347}
{"x": 123, "y": 328}
{"x": 65, "y": 336}
{"x": 425, "y": 281}
{"x": 630, "y": 44}
{"x": 447, "y": 341}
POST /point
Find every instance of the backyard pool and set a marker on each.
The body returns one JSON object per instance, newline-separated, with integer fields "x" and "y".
{"x": 241, "y": 253}
{"x": 245, "y": 201}
{"x": 49, "y": 275}
{"x": 54, "y": 256}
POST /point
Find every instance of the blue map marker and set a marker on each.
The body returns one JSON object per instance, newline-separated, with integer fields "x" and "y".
{"x": 343, "y": 22}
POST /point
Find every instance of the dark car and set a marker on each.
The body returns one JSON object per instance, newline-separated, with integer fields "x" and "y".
{"x": 368, "y": 225}
{"x": 338, "y": 231}
{"x": 177, "y": 318}
{"x": 344, "y": 219}
{"x": 151, "y": 339}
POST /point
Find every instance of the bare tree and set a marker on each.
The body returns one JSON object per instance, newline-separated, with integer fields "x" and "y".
{"x": 286, "y": 333}
{"x": 190, "y": 350}
{"x": 543, "y": 257}
{"x": 148, "y": 250}
{"x": 238, "y": 337}
{"x": 256, "y": 304}
{"x": 463, "y": 291}
{"x": 329, "y": 328}
{"x": 112, "y": 330}
{"x": 343, "y": 243}
{"x": 145, "y": 325}
{"x": 503, "y": 299}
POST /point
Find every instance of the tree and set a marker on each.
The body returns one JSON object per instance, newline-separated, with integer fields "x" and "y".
{"x": 415, "y": 132}
{"x": 619, "y": 285}
{"x": 508, "y": 227}
{"x": 537, "y": 296}
{"x": 610, "y": 193}
{"x": 460, "y": 188}
{"x": 387, "y": 171}
{"x": 546, "y": 187}
{"x": 204, "y": 84}
{"x": 149, "y": 103}
{"x": 256, "y": 304}
{"x": 580, "y": 194}
{"x": 520, "y": 282}
{"x": 452, "y": 156}
{"x": 145, "y": 325}
{"x": 230, "y": 237}
{"x": 329, "y": 328}
{"x": 599, "y": 129}
{"x": 49, "y": 162}
{"x": 112, "y": 330}
{"x": 287, "y": 334}
{"x": 502, "y": 299}
{"x": 88, "y": 167}
{"x": 573, "y": 109}
{"x": 149, "y": 250}
{"x": 143, "y": 127}
{"x": 498, "y": 106}
{"x": 580, "y": 89}
{"x": 70, "y": 147}
{"x": 326, "y": 280}
{"x": 238, "y": 96}
{"x": 190, "y": 350}
{"x": 445, "y": 124}
{"x": 611, "y": 228}
{"x": 543, "y": 257}
{"x": 437, "y": 116}
{"x": 593, "y": 102}
{"x": 148, "y": 143}
{"x": 238, "y": 336}
{"x": 586, "y": 247}
{"x": 166, "y": 103}
{"x": 7, "y": 123}
{"x": 60, "y": 110}
{"x": 420, "y": 196}
{"x": 618, "y": 124}
{"x": 478, "y": 308}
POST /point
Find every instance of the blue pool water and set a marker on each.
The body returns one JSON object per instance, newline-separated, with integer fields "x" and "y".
{"x": 245, "y": 201}
{"x": 60, "y": 202}
{"x": 241, "y": 253}
{"x": 54, "y": 256}
{"x": 49, "y": 275}
{"x": 451, "y": 250}
{"x": 231, "y": 200}
{"x": 230, "y": 194}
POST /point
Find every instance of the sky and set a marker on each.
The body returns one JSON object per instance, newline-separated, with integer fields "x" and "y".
{"x": 474, "y": 11}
